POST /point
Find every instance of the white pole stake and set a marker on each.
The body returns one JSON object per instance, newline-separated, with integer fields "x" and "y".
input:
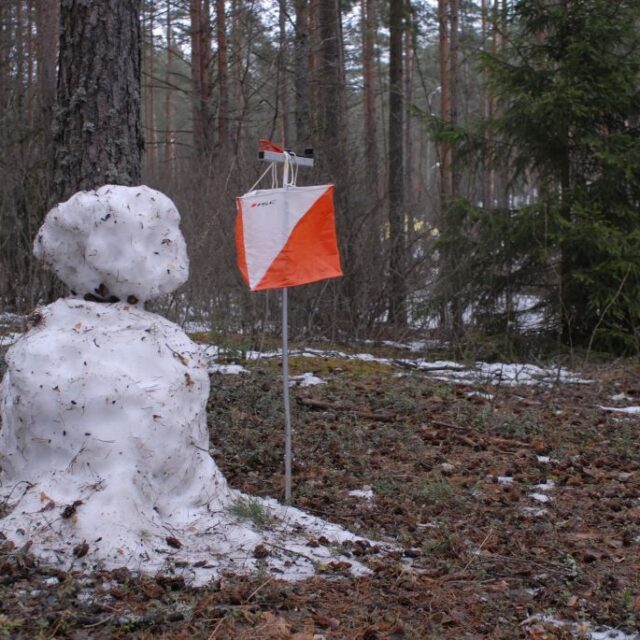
{"x": 287, "y": 408}
{"x": 288, "y": 160}
{"x": 285, "y": 368}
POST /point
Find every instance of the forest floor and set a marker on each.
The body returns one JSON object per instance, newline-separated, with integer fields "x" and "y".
{"x": 516, "y": 509}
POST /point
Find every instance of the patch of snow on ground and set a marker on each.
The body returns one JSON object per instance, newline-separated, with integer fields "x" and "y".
{"x": 479, "y": 394}
{"x": 619, "y": 397}
{"x": 540, "y": 497}
{"x": 305, "y": 380}
{"x": 546, "y": 486}
{"x": 630, "y": 410}
{"x": 446, "y": 370}
{"x": 534, "y": 512}
{"x": 582, "y": 629}
{"x": 365, "y": 492}
{"x": 505, "y": 480}
{"x": 227, "y": 369}
{"x": 417, "y": 345}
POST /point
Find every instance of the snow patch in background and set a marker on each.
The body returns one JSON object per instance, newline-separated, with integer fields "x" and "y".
{"x": 448, "y": 371}
{"x": 116, "y": 241}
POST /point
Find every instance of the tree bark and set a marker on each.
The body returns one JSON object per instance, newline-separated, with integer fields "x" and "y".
{"x": 201, "y": 77}
{"x": 47, "y": 27}
{"x": 331, "y": 135}
{"x": 223, "y": 75}
{"x": 369, "y": 31}
{"x": 98, "y": 133}
{"x": 397, "y": 285}
{"x": 168, "y": 98}
{"x": 302, "y": 53}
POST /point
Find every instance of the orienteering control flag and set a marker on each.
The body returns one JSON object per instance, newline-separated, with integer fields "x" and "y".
{"x": 287, "y": 237}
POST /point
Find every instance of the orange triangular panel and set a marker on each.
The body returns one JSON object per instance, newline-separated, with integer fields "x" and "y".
{"x": 311, "y": 251}
{"x": 242, "y": 258}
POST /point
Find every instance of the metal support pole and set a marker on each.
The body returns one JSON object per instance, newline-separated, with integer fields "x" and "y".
{"x": 289, "y": 160}
{"x": 285, "y": 391}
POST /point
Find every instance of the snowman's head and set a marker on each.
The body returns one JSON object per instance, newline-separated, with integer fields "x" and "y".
{"x": 116, "y": 243}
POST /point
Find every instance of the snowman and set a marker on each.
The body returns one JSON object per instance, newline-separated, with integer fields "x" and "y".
{"x": 104, "y": 446}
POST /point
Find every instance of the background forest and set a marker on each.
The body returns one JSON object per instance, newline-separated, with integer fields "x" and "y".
{"x": 486, "y": 157}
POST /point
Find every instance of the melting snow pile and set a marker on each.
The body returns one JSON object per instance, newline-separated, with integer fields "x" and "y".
{"x": 104, "y": 448}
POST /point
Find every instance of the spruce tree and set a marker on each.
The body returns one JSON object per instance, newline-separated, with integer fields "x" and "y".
{"x": 568, "y": 88}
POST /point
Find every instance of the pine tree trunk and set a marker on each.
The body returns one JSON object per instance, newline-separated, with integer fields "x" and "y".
{"x": 223, "y": 75}
{"x": 302, "y": 53}
{"x": 397, "y": 285}
{"x": 168, "y": 98}
{"x": 331, "y": 119}
{"x": 369, "y": 31}
{"x": 47, "y": 25}
{"x": 201, "y": 78}
{"x": 98, "y": 132}
{"x": 445, "y": 171}
{"x": 282, "y": 76}
{"x": 148, "y": 98}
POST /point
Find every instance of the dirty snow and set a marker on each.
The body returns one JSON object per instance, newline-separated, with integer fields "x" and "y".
{"x": 366, "y": 493}
{"x": 116, "y": 241}
{"x": 446, "y": 370}
{"x": 583, "y": 629}
{"x": 305, "y": 380}
{"x": 633, "y": 410}
{"x": 540, "y": 497}
{"x": 227, "y": 369}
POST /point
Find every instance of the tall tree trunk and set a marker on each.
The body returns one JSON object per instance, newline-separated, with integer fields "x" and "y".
{"x": 98, "y": 132}
{"x": 238, "y": 70}
{"x": 331, "y": 135}
{"x": 454, "y": 46}
{"x": 30, "y": 62}
{"x": 445, "y": 171}
{"x": 47, "y": 26}
{"x": 168, "y": 97}
{"x": 410, "y": 186}
{"x": 301, "y": 45}
{"x": 148, "y": 98}
{"x": 450, "y": 280}
{"x": 201, "y": 77}
{"x": 369, "y": 31}
{"x": 4, "y": 54}
{"x": 397, "y": 285}
{"x": 223, "y": 75}
{"x": 19, "y": 59}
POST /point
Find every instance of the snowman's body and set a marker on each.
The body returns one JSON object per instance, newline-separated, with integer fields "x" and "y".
{"x": 104, "y": 438}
